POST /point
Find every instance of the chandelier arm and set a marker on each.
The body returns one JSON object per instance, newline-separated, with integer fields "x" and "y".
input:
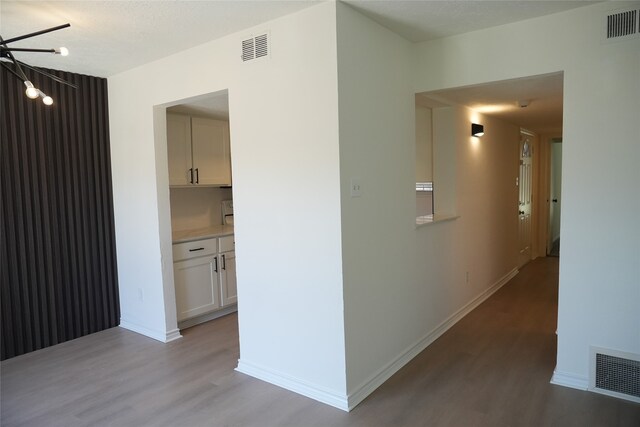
{"x": 22, "y": 49}
{"x": 6, "y": 66}
{"x": 37, "y": 33}
{"x": 44, "y": 73}
{"x": 15, "y": 62}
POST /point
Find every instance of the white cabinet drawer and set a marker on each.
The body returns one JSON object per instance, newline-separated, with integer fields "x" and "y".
{"x": 194, "y": 249}
{"x": 227, "y": 243}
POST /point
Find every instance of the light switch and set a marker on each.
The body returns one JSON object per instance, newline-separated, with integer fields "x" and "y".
{"x": 356, "y": 187}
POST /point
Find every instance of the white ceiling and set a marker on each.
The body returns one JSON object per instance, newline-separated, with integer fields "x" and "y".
{"x": 107, "y": 37}
{"x": 215, "y": 106}
{"x": 426, "y": 20}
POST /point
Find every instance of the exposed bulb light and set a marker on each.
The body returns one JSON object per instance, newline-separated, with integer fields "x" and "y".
{"x": 31, "y": 91}
{"x": 62, "y": 51}
{"x": 46, "y": 99}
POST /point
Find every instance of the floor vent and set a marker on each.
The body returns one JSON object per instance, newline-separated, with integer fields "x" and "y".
{"x": 615, "y": 373}
{"x": 622, "y": 24}
{"x": 255, "y": 47}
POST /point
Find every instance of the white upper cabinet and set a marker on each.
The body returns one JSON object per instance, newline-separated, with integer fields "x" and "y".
{"x": 198, "y": 151}
{"x": 211, "y": 159}
{"x": 179, "y": 149}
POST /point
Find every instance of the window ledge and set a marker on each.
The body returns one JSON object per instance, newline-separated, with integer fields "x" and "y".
{"x": 421, "y": 221}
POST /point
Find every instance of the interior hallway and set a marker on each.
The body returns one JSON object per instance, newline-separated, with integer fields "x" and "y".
{"x": 490, "y": 369}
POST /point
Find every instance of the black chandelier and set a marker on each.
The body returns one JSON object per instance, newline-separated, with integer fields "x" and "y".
{"x": 16, "y": 67}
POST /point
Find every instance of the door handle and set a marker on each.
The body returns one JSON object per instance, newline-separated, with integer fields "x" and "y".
{"x": 197, "y": 176}
{"x": 224, "y": 263}
{"x": 191, "y": 175}
{"x": 197, "y": 249}
{"x": 215, "y": 259}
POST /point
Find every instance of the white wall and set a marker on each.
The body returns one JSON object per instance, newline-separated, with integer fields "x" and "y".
{"x": 424, "y": 145}
{"x": 377, "y": 145}
{"x": 599, "y": 267}
{"x": 284, "y": 126}
{"x": 445, "y": 165}
{"x": 403, "y": 286}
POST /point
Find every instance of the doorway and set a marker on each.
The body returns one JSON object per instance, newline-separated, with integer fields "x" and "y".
{"x": 555, "y": 197}
{"x": 525, "y": 186}
{"x": 201, "y": 206}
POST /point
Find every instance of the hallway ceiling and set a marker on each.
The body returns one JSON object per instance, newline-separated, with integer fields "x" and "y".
{"x": 501, "y": 100}
{"x": 107, "y": 37}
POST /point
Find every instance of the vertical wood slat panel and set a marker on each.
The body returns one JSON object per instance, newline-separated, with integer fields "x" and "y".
{"x": 58, "y": 277}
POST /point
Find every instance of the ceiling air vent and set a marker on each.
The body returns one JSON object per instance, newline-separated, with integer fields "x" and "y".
{"x": 255, "y": 47}
{"x": 615, "y": 373}
{"x": 622, "y": 24}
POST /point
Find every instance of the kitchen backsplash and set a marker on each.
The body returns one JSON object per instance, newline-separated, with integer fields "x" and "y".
{"x": 193, "y": 208}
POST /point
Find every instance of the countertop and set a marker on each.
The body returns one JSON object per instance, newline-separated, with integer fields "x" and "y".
{"x": 202, "y": 233}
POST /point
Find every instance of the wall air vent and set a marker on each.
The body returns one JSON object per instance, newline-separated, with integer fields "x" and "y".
{"x": 262, "y": 45}
{"x": 255, "y": 47}
{"x": 248, "y": 50}
{"x": 623, "y": 24}
{"x": 615, "y": 373}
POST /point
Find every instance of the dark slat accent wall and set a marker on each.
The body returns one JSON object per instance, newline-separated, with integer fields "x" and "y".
{"x": 57, "y": 255}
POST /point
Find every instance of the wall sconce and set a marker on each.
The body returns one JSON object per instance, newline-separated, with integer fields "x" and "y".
{"x": 476, "y": 129}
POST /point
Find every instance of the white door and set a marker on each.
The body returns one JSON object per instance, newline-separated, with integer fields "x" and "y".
{"x": 211, "y": 156}
{"x": 197, "y": 287}
{"x": 228, "y": 282}
{"x": 525, "y": 181}
{"x": 179, "y": 149}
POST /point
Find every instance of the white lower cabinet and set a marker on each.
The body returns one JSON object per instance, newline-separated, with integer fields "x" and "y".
{"x": 204, "y": 276}
{"x": 228, "y": 284}
{"x": 197, "y": 286}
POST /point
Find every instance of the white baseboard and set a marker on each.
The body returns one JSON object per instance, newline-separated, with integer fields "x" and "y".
{"x": 172, "y": 335}
{"x": 156, "y": 335}
{"x": 296, "y": 385}
{"x": 376, "y": 380}
{"x": 567, "y": 379}
{"x": 184, "y": 324}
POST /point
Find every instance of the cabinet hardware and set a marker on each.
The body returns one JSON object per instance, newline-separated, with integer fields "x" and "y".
{"x": 224, "y": 263}
{"x": 197, "y": 176}
{"x": 197, "y": 249}
{"x": 215, "y": 259}
{"x": 191, "y": 175}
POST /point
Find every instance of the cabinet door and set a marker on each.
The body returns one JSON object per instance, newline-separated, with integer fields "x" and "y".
{"x": 211, "y": 156}
{"x": 179, "y": 149}
{"x": 197, "y": 287}
{"x": 228, "y": 282}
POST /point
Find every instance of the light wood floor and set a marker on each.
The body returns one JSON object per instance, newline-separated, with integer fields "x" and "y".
{"x": 491, "y": 369}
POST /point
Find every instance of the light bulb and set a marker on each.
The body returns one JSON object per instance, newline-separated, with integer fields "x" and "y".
{"x": 62, "y": 51}
{"x": 31, "y": 91}
{"x": 47, "y": 100}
